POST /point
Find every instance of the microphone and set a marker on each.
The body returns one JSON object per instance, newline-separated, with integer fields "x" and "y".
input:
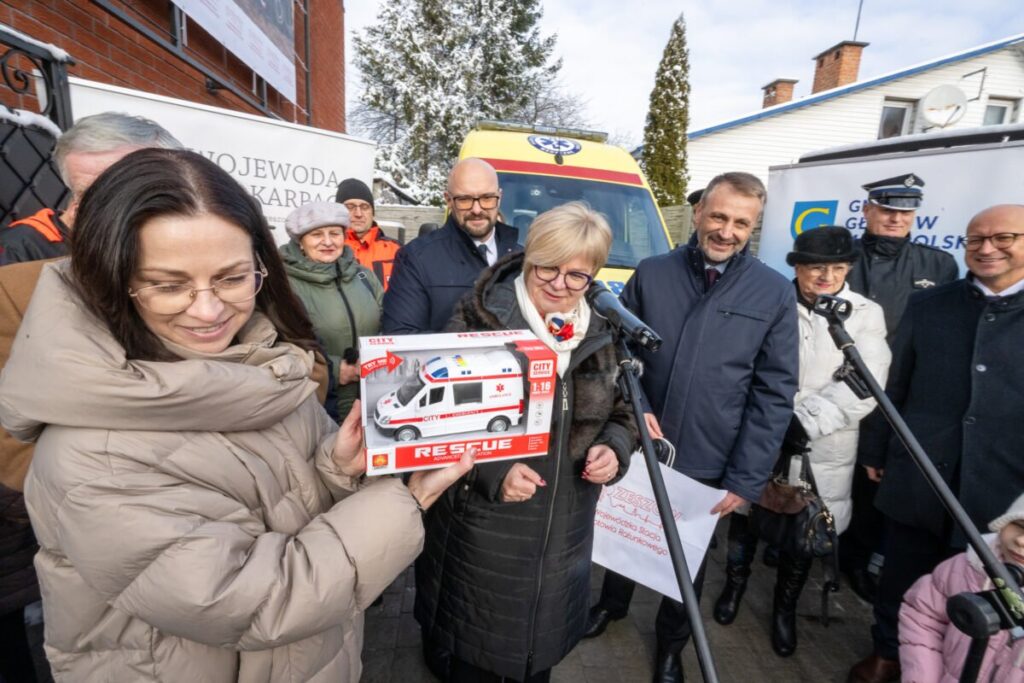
{"x": 832, "y": 307}
{"x": 608, "y": 306}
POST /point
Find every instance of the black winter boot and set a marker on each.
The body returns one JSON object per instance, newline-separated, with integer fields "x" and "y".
{"x": 788, "y": 585}
{"x": 668, "y": 667}
{"x": 770, "y": 556}
{"x": 742, "y": 548}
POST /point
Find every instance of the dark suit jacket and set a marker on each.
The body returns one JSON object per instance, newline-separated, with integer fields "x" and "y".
{"x": 957, "y": 379}
{"x": 432, "y": 273}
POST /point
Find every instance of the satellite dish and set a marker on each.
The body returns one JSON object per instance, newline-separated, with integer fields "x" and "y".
{"x": 944, "y": 105}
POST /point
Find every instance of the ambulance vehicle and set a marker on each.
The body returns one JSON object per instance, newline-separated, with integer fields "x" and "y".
{"x": 540, "y": 168}
{"x": 457, "y": 393}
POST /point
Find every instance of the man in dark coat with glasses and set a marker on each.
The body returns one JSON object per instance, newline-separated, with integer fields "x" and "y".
{"x": 956, "y": 379}
{"x": 434, "y": 271}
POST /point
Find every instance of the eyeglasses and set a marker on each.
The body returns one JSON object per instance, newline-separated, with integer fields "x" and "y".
{"x": 174, "y": 297}
{"x": 820, "y": 269}
{"x": 574, "y": 279}
{"x": 487, "y": 201}
{"x": 361, "y": 207}
{"x": 1000, "y": 240}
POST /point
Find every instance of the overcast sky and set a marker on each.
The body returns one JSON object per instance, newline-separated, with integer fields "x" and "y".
{"x": 611, "y": 49}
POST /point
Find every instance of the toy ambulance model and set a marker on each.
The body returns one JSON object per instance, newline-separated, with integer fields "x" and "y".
{"x": 458, "y": 393}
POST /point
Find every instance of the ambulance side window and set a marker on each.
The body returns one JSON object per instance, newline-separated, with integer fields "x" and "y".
{"x": 423, "y": 400}
{"x": 436, "y": 395}
{"x": 472, "y": 392}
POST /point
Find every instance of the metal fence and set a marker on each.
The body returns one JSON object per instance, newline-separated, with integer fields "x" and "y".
{"x": 34, "y": 103}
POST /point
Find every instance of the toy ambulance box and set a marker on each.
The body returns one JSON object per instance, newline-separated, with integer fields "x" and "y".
{"x": 428, "y": 398}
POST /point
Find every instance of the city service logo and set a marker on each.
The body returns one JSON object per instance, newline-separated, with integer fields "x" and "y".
{"x": 810, "y": 215}
{"x": 554, "y": 145}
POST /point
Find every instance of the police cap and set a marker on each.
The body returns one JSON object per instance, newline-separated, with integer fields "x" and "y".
{"x": 902, "y": 192}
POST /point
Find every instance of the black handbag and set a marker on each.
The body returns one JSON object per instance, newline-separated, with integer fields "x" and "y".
{"x": 793, "y": 517}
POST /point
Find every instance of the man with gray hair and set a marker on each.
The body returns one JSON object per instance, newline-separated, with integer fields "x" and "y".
{"x": 87, "y": 149}
{"x": 721, "y": 389}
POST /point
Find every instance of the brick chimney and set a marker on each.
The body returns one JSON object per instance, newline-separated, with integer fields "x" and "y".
{"x": 778, "y": 91}
{"x": 837, "y": 65}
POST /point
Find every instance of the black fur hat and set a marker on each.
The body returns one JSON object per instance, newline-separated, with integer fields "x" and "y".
{"x": 825, "y": 244}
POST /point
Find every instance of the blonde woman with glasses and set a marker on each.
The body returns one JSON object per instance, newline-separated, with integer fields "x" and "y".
{"x": 503, "y": 585}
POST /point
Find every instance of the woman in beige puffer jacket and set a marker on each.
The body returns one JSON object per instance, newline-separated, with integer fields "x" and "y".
{"x": 200, "y": 517}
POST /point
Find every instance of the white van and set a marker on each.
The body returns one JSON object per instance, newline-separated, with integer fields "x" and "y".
{"x": 965, "y": 170}
{"x": 458, "y": 393}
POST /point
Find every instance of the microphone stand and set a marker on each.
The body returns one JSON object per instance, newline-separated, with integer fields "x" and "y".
{"x": 978, "y": 615}
{"x": 629, "y": 385}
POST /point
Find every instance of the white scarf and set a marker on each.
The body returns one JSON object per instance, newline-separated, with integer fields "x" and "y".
{"x": 539, "y": 326}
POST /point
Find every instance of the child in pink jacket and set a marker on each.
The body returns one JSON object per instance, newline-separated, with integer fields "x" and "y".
{"x": 932, "y": 650}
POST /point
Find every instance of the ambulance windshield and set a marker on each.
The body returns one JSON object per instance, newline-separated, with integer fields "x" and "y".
{"x": 636, "y": 229}
{"x": 408, "y": 391}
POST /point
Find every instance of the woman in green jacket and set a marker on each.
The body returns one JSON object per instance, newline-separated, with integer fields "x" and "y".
{"x": 341, "y": 297}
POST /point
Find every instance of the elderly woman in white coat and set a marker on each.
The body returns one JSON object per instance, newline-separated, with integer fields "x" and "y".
{"x": 826, "y": 417}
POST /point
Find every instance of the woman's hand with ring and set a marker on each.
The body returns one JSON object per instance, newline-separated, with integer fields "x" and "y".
{"x": 601, "y": 465}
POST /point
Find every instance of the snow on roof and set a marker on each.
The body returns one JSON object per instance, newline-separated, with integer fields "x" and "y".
{"x": 858, "y": 85}
{"x": 780, "y": 80}
{"x": 21, "y": 117}
{"x": 56, "y": 54}
{"x": 940, "y": 138}
{"x": 389, "y": 181}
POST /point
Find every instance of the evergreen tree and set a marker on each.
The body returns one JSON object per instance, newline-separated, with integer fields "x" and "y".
{"x": 432, "y": 68}
{"x": 668, "y": 116}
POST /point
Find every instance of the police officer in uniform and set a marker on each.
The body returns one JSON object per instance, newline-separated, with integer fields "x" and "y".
{"x": 888, "y": 270}
{"x": 890, "y": 266}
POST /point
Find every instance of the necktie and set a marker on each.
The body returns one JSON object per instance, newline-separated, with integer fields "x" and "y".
{"x": 711, "y": 276}
{"x": 482, "y": 248}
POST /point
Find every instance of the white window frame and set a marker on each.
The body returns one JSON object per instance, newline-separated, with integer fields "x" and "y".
{"x": 1008, "y": 105}
{"x": 908, "y": 106}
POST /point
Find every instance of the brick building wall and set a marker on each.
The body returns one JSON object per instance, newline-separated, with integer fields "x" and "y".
{"x": 110, "y": 50}
{"x": 327, "y": 63}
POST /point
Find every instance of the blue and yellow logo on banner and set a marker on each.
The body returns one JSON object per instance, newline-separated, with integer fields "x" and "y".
{"x": 810, "y": 215}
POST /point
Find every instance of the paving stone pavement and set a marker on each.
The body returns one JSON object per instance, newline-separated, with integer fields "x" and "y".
{"x": 625, "y": 652}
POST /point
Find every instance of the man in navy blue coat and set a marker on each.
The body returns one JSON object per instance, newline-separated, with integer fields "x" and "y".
{"x": 721, "y": 387}
{"x": 956, "y": 379}
{"x": 434, "y": 271}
